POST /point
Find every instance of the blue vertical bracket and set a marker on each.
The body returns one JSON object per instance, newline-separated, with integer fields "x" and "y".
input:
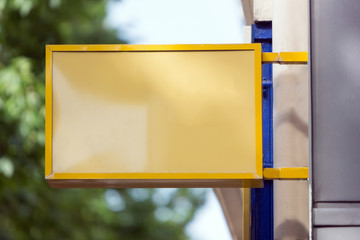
{"x": 262, "y": 213}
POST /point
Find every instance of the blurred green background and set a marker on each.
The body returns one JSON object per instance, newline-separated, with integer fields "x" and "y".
{"x": 29, "y": 208}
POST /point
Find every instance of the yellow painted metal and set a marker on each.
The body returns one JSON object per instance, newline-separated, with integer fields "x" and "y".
{"x": 156, "y": 48}
{"x": 285, "y": 57}
{"x": 151, "y": 175}
{"x": 135, "y": 92}
{"x": 258, "y": 109}
{"x": 48, "y": 112}
{"x": 270, "y": 57}
{"x": 246, "y": 213}
{"x": 293, "y": 57}
{"x": 286, "y": 173}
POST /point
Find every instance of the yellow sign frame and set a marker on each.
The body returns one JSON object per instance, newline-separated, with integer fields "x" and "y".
{"x": 138, "y": 179}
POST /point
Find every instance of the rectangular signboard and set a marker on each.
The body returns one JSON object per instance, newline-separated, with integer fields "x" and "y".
{"x": 153, "y": 115}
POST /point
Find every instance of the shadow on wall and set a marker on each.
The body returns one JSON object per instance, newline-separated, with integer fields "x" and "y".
{"x": 291, "y": 229}
{"x": 292, "y": 117}
{"x": 291, "y": 101}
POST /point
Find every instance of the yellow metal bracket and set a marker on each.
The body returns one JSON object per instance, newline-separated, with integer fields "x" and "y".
{"x": 296, "y": 173}
{"x": 285, "y": 57}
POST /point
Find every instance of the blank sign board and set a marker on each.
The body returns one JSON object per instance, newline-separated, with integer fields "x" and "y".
{"x": 153, "y": 116}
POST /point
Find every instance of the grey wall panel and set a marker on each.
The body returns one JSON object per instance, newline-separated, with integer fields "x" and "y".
{"x": 335, "y": 64}
{"x": 342, "y": 216}
{"x": 339, "y": 233}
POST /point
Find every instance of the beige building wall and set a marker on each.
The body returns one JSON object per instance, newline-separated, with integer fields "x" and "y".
{"x": 291, "y": 142}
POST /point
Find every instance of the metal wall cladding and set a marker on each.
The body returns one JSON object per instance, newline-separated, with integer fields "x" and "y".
{"x": 335, "y": 92}
{"x": 335, "y": 54}
{"x": 348, "y": 233}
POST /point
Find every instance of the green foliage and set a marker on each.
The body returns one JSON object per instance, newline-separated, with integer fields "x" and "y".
{"x": 29, "y": 208}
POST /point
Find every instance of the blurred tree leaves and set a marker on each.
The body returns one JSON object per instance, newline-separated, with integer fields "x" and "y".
{"x": 29, "y": 208}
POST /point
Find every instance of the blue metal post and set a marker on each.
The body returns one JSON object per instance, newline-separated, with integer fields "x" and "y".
{"x": 262, "y": 224}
